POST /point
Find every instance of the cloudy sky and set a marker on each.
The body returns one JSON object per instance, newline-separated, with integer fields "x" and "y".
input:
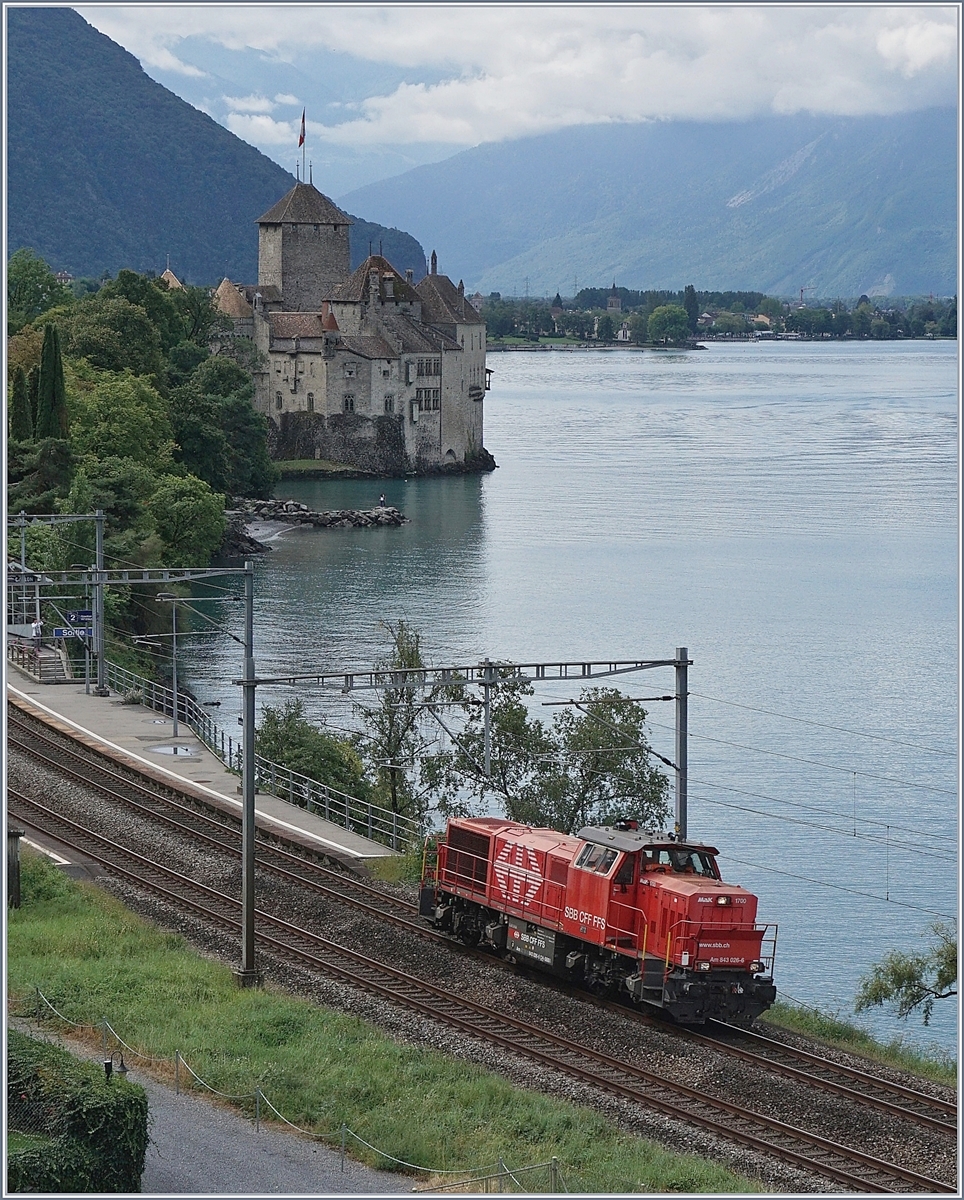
{"x": 390, "y": 86}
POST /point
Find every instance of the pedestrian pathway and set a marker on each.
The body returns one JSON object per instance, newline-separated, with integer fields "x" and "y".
{"x": 134, "y": 732}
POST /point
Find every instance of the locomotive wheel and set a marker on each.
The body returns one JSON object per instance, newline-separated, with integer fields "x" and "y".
{"x": 470, "y": 937}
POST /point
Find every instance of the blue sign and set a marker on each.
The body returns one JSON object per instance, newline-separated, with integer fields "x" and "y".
{"x": 78, "y": 615}
{"x": 69, "y": 633}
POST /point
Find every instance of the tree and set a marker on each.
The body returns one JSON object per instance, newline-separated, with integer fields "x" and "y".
{"x": 730, "y": 323}
{"x": 21, "y": 418}
{"x": 154, "y": 297}
{"x": 39, "y": 474}
{"x": 396, "y": 726}
{"x": 123, "y": 414}
{"x": 220, "y": 436}
{"x": 113, "y": 334}
{"x": 913, "y": 981}
{"x": 638, "y": 328}
{"x": 189, "y": 518}
{"x": 692, "y": 305}
{"x": 590, "y": 766}
{"x": 51, "y": 419}
{"x": 286, "y": 737}
{"x": 32, "y": 288}
{"x": 605, "y": 330}
{"x": 669, "y": 325}
{"x": 33, "y": 393}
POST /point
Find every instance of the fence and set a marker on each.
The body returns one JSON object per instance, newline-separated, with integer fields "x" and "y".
{"x": 498, "y": 1174}
{"x": 360, "y": 816}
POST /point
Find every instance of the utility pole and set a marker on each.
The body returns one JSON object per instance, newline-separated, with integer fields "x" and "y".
{"x": 248, "y": 975}
{"x": 99, "y": 641}
{"x": 682, "y": 662}
{"x": 489, "y": 678}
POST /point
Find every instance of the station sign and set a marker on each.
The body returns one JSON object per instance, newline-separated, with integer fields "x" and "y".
{"x": 77, "y": 616}
{"x": 83, "y": 632}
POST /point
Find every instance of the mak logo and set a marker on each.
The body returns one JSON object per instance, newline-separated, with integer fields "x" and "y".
{"x": 517, "y": 873}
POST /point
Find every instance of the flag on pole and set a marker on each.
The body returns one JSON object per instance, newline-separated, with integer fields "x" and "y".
{"x": 301, "y": 136}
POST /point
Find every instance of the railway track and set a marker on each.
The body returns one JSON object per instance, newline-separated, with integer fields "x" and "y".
{"x": 288, "y": 943}
{"x": 221, "y": 832}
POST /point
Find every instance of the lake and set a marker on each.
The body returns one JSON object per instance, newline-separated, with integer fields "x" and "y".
{"x": 786, "y": 511}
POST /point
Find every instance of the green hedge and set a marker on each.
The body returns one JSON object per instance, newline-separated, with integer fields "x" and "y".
{"x": 97, "y": 1129}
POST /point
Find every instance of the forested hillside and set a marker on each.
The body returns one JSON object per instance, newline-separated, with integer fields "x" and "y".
{"x": 106, "y": 169}
{"x": 842, "y": 206}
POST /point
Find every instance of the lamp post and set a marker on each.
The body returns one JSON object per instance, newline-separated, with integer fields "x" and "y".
{"x": 167, "y": 597}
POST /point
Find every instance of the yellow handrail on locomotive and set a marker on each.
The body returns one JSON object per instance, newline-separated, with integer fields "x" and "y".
{"x": 430, "y": 844}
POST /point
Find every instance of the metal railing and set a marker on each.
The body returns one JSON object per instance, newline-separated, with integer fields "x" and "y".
{"x": 360, "y": 816}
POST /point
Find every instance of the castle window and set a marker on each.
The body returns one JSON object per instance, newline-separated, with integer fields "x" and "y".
{"x": 386, "y": 372}
{"x": 311, "y": 401}
{"x": 278, "y": 400}
{"x": 428, "y": 399}
{"x": 349, "y": 402}
{"x": 277, "y": 367}
{"x": 389, "y": 403}
{"x": 349, "y": 370}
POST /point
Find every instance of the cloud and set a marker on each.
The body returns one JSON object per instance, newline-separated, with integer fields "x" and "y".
{"x": 283, "y": 99}
{"x": 252, "y": 104}
{"x": 262, "y": 130}
{"x": 523, "y": 70}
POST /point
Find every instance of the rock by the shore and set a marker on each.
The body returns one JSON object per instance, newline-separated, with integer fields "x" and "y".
{"x": 291, "y": 512}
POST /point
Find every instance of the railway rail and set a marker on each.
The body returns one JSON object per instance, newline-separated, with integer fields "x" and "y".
{"x": 286, "y": 942}
{"x": 616, "y": 1077}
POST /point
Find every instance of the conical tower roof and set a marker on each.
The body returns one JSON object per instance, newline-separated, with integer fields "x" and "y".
{"x": 304, "y": 205}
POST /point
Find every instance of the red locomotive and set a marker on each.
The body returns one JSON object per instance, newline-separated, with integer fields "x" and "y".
{"x": 612, "y": 909}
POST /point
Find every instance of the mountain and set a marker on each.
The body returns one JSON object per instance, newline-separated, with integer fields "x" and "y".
{"x": 842, "y": 205}
{"x": 108, "y": 169}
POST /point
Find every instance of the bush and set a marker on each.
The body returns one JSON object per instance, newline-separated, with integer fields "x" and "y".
{"x": 97, "y": 1129}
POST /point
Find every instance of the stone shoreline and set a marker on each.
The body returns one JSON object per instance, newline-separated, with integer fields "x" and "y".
{"x": 291, "y": 512}
{"x": 238, "y": 542}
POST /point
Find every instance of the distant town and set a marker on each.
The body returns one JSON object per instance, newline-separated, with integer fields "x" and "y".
{"x": 622, "y": 316}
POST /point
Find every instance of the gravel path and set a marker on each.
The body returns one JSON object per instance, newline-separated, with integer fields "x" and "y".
{"x": 197, "y": 1147}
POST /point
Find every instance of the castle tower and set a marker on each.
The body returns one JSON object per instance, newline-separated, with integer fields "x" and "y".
{"x": 303, "y": 248}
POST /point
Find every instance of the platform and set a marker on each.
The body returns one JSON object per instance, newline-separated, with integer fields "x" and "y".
{"x": 145, "y": 738}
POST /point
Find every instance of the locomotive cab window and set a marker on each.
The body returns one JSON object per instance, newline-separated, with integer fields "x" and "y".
{"x": 596, "y": 858}
{"x": 626, "y": 870}
{"x": 687, "y": 862}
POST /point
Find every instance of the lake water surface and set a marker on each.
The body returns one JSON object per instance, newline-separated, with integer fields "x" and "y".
{"x": 786, "y": 511}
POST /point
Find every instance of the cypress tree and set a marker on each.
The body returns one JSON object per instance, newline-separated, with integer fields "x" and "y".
{"x": 33, "y": 394}
{"x": 52, "y": 391}
{"x": 692, "y": 305}
{"x": 21, "y": 419}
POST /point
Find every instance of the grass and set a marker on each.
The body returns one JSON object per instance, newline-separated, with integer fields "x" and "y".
{"x": 95, "y": 960}
{"x": 297, "y": 468}
{"x": 398, "y": 868}
{"x": 834, "y": 1031}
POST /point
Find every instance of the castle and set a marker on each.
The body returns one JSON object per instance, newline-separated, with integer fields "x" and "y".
{"x": 365, "y": 368}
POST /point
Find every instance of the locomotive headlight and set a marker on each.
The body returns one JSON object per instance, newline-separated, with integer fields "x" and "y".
{"x": 723, "y": 900}
{"x": 755, "y": 967}
{"x": 702, "y": 966}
